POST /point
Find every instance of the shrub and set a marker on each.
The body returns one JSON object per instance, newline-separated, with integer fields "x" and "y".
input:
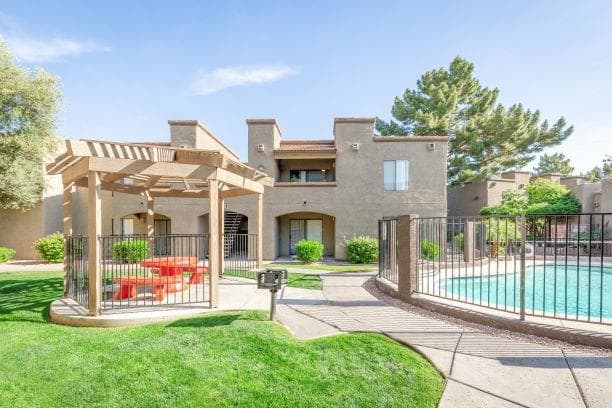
{"x": 459, "y": 241}
{"x": 430, "y": 250}
{"x": 6, "y": 254}
{"x": 51, "y": 247}
{"x": 309, "y": 251}
{"x": 130, "y": 251}
{"x": 362, "y": 249}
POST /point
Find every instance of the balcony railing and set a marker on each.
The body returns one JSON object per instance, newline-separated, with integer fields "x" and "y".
{"x": 287, "y": 179}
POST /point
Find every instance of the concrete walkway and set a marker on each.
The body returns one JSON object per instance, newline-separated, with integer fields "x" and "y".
{"x": 482, "y": 370}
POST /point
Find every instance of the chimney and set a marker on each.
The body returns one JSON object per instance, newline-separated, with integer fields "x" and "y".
{"x": 191, "y": 134}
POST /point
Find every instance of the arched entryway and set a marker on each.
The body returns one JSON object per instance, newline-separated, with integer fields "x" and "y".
{"x": 236, "y": 240}
{"x": 296, "y": 226}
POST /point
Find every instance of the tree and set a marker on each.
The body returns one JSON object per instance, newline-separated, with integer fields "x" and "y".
{"x": 542, "y": 197}
{"x": 485, "y": 137}
{"x": 29, "y": 100}
{"x": 600, "y": 173}
{"x": 554, "y": 163}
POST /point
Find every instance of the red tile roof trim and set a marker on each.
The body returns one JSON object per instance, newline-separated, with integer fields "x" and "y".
{"x": 307, "y": 146}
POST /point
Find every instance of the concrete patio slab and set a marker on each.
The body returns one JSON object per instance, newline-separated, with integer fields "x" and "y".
{"x": 457, "y": 395}
{"x": 593, "y": 375}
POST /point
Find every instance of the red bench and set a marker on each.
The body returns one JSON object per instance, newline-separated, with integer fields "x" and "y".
{"x": 196, "y": 275}
{"x": 161, "y": 285}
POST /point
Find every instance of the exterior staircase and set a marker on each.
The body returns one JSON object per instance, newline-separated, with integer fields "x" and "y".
{"x": 231, "y": 223}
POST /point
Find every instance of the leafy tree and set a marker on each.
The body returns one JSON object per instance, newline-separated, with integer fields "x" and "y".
{"x": 29, "y": 100}
{"x": 486, "y": 137}
{"x": 600, "y": 173}
{"x": 542, "y": 197}
{"x": 554, "y": 163}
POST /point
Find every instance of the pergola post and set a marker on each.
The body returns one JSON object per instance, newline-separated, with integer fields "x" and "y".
{"x": 259, "y": 230}
{"x": 67, "y": 221}
{"x": 221, "y": 238}
{"x": 94, "y": 230}
{"x": 213, "y": 248}
{"x": 150, "y": 223}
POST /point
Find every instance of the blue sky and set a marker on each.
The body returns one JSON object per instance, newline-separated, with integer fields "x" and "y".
{"x": 128, "y": 67}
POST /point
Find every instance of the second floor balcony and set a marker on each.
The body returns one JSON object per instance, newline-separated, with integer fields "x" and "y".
{"x": 306, "y": 172}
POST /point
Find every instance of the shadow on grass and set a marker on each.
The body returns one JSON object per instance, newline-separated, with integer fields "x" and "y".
{"x": 28, "y": 299}
{"x": 216, "y": 320}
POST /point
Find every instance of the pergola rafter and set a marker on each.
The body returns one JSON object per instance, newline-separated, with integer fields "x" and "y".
{"x": 155, "y": 171}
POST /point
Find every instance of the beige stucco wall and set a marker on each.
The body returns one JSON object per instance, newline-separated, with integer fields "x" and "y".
{"x": 584, "y": 192}
{"x": 19, "y": 229}
{"x": 352, "y": 207}
{"x": 358, "y": 200}
{"x": 468, "y": 199}
{"x": 606, "y": 196}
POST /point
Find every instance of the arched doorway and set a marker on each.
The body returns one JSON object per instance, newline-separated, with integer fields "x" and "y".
{"x": 235, "y": 233}
{"x": 294, "y": 227}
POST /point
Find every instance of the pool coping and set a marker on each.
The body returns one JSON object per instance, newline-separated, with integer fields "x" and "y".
{"x": 570, "y": 332}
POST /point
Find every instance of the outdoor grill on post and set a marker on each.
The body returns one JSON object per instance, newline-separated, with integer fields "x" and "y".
{"x": 273, "y": 280}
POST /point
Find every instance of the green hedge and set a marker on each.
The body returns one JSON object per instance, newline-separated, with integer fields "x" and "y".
{"x": 309, "y": 251}
{"x": 430, "y": 250}
{"x": 362, "y": 249}
{"x": 51, "y": 247}
{"x": 6, "y": 254}
{"x": 130, "y": 251}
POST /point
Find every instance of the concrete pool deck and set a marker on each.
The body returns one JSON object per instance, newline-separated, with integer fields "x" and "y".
{"x": 482, "y": 369}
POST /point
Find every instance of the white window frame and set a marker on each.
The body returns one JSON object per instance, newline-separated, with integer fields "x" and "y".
{"x": 401, "y": 175}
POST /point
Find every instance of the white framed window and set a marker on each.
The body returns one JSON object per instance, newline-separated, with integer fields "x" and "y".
{"x": 395, "y": 175}
{"x": 127, "y": 226}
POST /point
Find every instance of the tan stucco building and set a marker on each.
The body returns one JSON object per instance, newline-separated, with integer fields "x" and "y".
{"x": 328, "y": 190}
{"x": 469, "y": 199}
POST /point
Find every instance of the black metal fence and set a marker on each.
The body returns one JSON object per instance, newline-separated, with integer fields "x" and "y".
{"x": 77, "y": 278}
{"x": 240, "y": 255}
{"x": 140, "y": 271}
{"x": 387, "y": 249}
{"x": 556, "y": 265}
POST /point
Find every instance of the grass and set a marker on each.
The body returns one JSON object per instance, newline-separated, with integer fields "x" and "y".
{"x": 294, "y": 280}
{"x": 223, "y": 359}
{"x": 327, "y": 267}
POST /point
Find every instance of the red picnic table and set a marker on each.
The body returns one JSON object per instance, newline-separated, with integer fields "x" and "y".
{"x": 168, "y": 276}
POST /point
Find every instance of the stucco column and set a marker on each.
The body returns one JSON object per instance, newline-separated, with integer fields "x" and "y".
{"x": 94, "y": 230}
{"x": 150, "y": 223}
{"x": 213, "y": 247}
{"x": 259, "y": 230}
{"x": 67, "y": 221}
{"x": 221, "y": 238}
{"x": 468, "y": 242}
{"x": 407, "y": 255}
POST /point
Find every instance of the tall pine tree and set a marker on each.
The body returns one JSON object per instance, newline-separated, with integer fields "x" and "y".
{"x": 486, "y": 137}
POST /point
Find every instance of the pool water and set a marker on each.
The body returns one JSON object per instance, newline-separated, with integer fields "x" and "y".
{"x": 552, "y": 290}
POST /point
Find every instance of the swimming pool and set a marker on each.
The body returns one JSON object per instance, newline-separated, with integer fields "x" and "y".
{"x": 550, "y": 290}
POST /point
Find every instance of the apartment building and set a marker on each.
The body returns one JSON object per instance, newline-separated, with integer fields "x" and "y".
{"x": 470, "y": 198}
{"x": 327, "y": 190}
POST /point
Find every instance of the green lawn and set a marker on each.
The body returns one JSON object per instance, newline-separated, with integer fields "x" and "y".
{"x": 223, "y": 359}
{"x": 327, "y": 267}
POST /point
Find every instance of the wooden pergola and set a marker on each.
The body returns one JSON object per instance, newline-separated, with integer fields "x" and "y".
{"x": 155, "y": 171}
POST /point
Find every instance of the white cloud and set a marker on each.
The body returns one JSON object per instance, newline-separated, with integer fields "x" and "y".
{"x": 221, "y": 78}
{"x": 36, "y": 50}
